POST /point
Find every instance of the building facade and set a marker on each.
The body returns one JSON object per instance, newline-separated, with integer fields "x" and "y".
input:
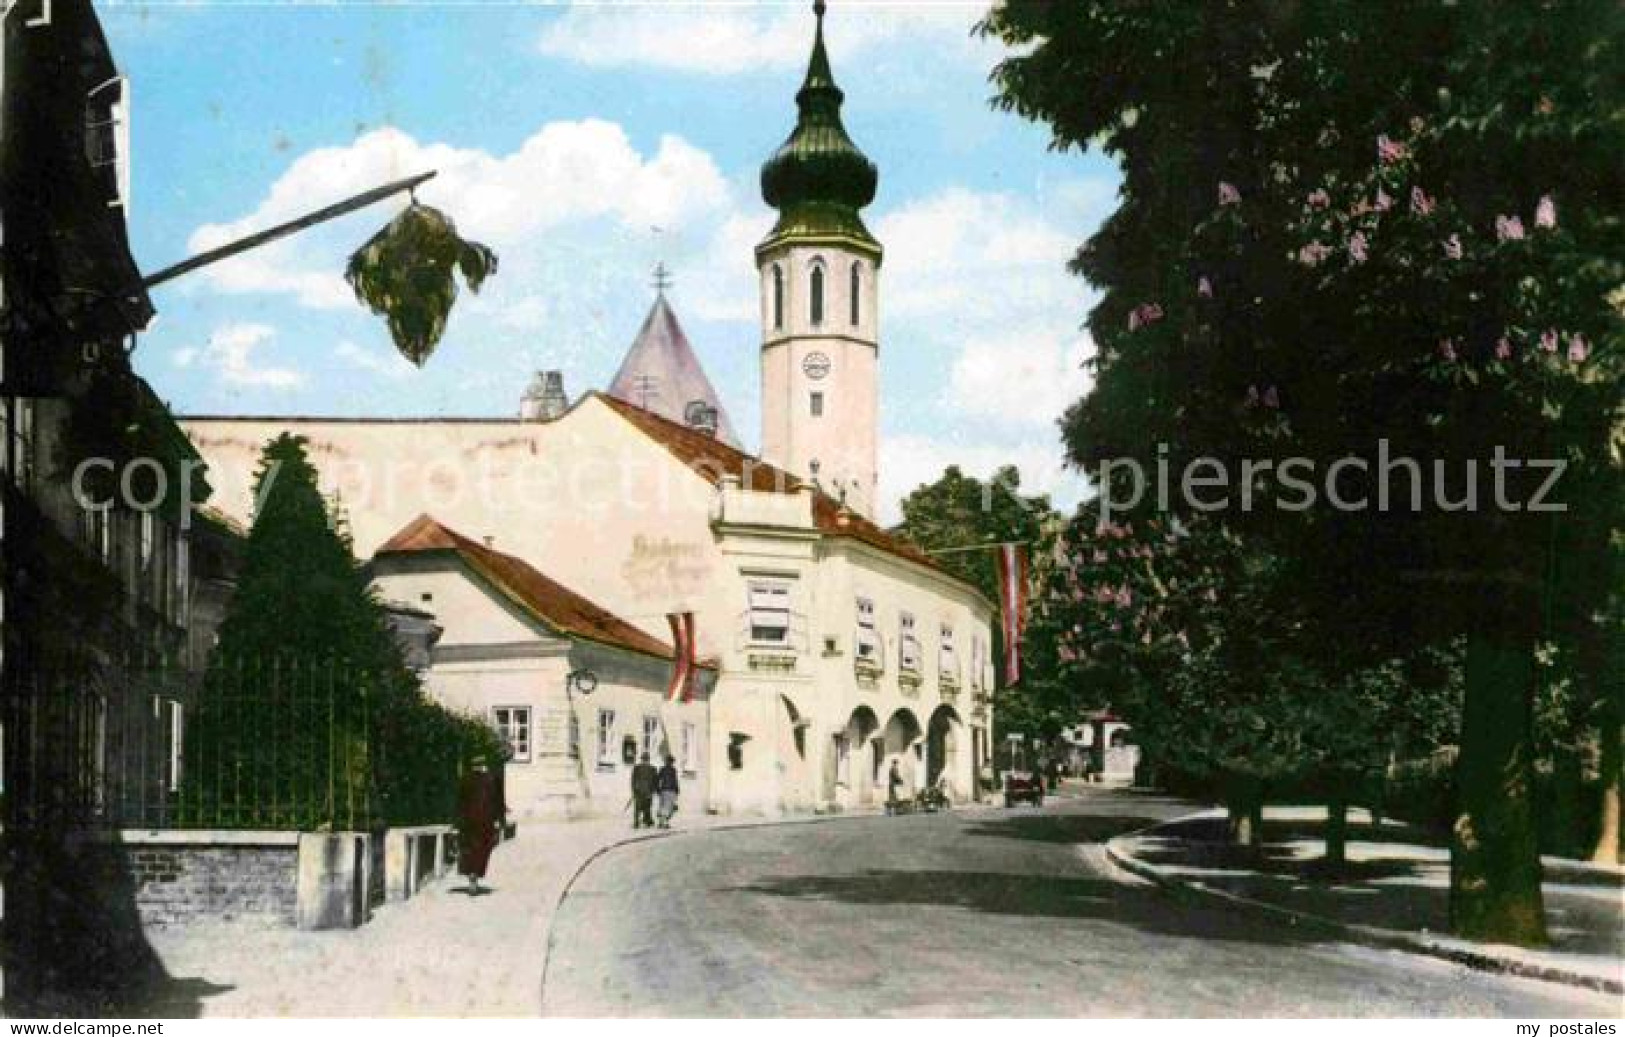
{"x": 577, "y": 693}
{"x": 95, "y": 483}
{"x": 838, "y": 648}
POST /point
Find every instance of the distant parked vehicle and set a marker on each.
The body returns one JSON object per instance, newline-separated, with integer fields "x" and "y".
{"x": 1023, "y": 786}
{"x": 932, "y": 798}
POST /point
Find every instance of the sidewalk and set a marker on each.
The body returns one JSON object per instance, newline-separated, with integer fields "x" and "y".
{"x": 442, "y": 953}
{"x": 1394, "y": 892}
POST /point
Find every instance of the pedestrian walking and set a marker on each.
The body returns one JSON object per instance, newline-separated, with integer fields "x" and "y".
{"x": 643, "y": 792}
{"x": 894, "y": 785}
{"x": 667, "y": 786}
{"x": 479, "y": 817}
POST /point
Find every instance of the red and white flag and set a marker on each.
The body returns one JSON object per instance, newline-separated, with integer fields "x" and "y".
{"x": 1012, "y": 606}
{"x": 681, "y": 688}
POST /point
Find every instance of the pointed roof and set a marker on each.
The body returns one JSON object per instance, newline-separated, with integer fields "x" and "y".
{"x": 546, "y": 600}
{"x": 819, "y": 179}
{"x": 660, "y": 373}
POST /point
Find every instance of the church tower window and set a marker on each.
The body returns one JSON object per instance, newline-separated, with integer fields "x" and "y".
{"x": 778, "y": 296}
{"x": 816, "y": 285}
{"x": 857, "y": 286}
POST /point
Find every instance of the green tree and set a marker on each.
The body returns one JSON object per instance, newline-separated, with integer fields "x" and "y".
{"x": 1351, "y": 231}
{"x": 1196, "y": 638}
{"x": 309, "y": 716}
{"x": 960, "y": 511}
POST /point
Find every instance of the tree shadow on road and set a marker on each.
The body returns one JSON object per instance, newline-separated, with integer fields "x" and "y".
{"x": 1036, "y": 896}
{"x": 1059, "y": 828}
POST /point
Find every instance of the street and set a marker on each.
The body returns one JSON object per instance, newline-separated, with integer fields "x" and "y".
{"x": 981, "y": 911}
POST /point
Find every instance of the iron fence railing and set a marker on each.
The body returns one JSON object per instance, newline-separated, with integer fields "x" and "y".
{"x": 287, "y": 745}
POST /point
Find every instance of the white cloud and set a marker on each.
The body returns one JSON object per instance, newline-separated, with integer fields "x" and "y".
{"x": 229, "y": 353}
{"x": 583, "y": 176}
{"x": 973, "y": 258}
{"x": 980, "y": 279}
{"x": 1021, "y": 378}
{"x": 721, "y": 40}
{"x": 387, "y": 363}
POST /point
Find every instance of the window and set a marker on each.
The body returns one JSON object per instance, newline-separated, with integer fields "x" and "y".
{"x": 778, "y": 296}
{"x": 908, "y": 646}
{"x": 868, "y": 641}
{"x": 690, "y": 764}
{"x": 816, "y": 287}
{"x": 107, "y": 134}
{"x": 98, "y": 752}
{"x": 815, "y": 404}
{"x": 947, "y": 656}
{"x": 574, "y": 734}
{"x": 857, "y": 286}
{"x": 97, "y": 527}
{"x": 651, "y": 736}
{"x": 172, "y": 719}
{"x": 606, "y": 738}
{"x": 22, "y": 443}
{"x": 147, "y": 532}
{"x": 736, "y": 750}
{"x": 769, "y": 611}
{"x": 513, "y": 724}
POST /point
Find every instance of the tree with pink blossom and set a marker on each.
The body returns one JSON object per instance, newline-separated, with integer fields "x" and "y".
{"x": 1404, "y": 226}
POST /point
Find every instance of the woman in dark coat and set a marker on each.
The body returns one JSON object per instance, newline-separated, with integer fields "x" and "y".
{"x": 479, "y": 815}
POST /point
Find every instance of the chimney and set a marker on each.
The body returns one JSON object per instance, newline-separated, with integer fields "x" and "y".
{"x": 545, "y": 399}
{"x": 701, "y": 417}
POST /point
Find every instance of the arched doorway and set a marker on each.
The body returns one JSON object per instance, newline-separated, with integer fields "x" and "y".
{"x": 942, "y": 751}
{"x": 898, "y": 743}
{"x": 852, "y": 773}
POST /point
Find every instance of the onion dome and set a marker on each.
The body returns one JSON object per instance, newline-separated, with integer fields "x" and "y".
{"x": 818, "y": 179}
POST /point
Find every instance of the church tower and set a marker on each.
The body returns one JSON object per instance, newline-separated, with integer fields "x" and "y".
{"x": 820, "y": 274}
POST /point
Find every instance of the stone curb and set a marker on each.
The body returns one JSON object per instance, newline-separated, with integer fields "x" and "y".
{"x": 1369, "y": 935}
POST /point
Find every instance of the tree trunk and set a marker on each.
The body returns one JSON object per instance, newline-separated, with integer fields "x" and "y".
{"x": 1244, "y": 800}
{"x": 1495, "y": 874}
{"x": 1612, "y": 773}
{"x": 1337, "y": 831}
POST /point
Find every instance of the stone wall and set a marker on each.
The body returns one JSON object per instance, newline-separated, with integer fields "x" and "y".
{"x": 184, "y": 876}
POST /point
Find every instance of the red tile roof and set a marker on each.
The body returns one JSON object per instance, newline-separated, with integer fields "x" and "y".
{"x": 712, "y": 459}
{"x": 546, "y": 599}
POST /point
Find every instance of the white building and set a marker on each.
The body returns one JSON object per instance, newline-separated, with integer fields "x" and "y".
{"x": 837, "y": 647}
{"x": 508, "y": 639}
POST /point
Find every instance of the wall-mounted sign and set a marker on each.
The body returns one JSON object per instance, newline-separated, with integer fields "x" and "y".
{"x": 815, "y": 365}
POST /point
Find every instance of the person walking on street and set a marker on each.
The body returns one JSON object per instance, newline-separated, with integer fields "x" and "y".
{"x": 479, "y": 816}
{"x": 894, "y": 784}
{"x": 643, "y": 792}
{"x": 666, "y": 786}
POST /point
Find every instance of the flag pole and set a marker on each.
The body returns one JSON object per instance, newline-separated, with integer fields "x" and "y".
{"x": 282, "y": 230}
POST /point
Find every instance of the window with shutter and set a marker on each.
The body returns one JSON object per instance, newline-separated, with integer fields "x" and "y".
{"x": 769, "y": 611}
{"x": 947, "y": 655}
{"x": 867, "y": 641}
{"x": 606, "y": 738}
{"x": 908, "y": 645}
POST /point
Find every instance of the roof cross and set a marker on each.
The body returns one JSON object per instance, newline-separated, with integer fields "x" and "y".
{"x": 646, "y": 386}
{"x": 662, "y": 279}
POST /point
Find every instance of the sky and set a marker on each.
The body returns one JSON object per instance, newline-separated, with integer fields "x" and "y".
{"x": 585, "y": 144}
